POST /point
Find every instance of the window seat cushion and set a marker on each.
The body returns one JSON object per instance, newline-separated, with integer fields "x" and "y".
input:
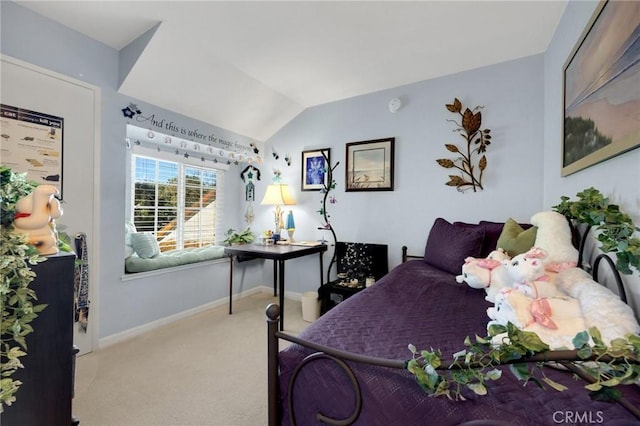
{"x": 173, "y": 258}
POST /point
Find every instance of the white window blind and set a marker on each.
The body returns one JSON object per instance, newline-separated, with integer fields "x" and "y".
{"x": 181, "y": 204}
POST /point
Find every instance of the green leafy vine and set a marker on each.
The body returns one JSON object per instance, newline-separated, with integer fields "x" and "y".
{"x": 614, "y": 229}
{"x": 472, "y": 368}
{"x": 16, "y": 298}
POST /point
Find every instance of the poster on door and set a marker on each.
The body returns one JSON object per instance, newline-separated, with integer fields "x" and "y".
{"x": 32, "y": 143}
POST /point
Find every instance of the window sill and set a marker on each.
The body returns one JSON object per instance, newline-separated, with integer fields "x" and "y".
{"x": 140, "y": 275}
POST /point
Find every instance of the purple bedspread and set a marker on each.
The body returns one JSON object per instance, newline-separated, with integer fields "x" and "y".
{"x": 417, "y": 303}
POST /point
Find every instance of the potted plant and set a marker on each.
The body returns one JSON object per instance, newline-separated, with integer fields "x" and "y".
{"x": 236, "y": 238}
{"x": 17, "y": 300}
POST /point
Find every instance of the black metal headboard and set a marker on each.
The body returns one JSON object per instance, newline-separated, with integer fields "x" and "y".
{"x": 580, "y": 238}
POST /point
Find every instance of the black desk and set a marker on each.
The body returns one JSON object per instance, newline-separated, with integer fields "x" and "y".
{"x": 279, "y": 253}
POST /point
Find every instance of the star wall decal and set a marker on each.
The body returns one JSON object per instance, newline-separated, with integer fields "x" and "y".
{"x": 131, "y": 110}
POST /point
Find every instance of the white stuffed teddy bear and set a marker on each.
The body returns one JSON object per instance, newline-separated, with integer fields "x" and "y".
{"x": 488, "y": 273}
{"x": 554, "y": 236}
{"x": 527, "y": 274}
{"x": 35, "y": 216}
{"x": 555, "y": 320}
{"x": 600, "y": 307}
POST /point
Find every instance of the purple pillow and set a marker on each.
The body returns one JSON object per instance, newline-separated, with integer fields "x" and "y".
{"x": 449, "y": 244}
{"x": 492, "y": 231}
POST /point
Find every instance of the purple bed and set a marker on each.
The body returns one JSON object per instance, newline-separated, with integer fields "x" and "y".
{"x": 421, "y": 304}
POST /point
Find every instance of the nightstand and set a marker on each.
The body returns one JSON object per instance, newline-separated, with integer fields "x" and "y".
{"x": 354, "y": 261}
{"x": 334, "y": 292}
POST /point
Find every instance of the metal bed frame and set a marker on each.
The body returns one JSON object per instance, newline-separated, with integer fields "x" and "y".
{"x": 562, "y": 357}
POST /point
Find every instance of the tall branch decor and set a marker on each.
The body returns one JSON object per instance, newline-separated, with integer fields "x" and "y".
{"x": 477, "y": 142}
{"x": 329, "y": 185}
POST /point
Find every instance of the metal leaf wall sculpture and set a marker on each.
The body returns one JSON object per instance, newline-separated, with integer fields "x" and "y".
{"x": 477, "y": 140}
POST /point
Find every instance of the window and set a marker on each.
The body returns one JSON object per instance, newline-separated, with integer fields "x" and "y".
{"x": 177, "y": 202}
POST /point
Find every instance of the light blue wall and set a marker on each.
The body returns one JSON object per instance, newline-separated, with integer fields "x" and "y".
{"x": 523, "y": 102}
{"x": 618, "y": 178}
{"x": 122, "y": 305}
{"x": 512, "y": 94}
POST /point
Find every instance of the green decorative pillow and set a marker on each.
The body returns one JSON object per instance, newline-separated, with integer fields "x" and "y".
{"x": 516, "y": 240}
{"x": 145, "y": 244}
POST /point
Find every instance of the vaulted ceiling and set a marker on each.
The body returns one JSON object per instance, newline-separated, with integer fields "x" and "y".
{"x": 250, "y": 67}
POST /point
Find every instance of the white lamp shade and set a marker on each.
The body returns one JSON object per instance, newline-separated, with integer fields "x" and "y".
{"x": 278, "y": 194}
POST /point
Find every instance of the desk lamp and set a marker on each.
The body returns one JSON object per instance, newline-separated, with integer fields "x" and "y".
{"x": 278, "y": 194}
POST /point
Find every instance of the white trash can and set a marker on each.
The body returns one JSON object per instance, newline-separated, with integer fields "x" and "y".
{"x": 310, "y": 306}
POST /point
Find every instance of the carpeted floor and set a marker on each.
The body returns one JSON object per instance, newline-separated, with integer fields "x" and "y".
{"x": 209, "y": 369}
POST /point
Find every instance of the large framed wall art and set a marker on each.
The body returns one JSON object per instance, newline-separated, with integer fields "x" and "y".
{"x": 370, "y": 165}
{"x": 602, "y": 88}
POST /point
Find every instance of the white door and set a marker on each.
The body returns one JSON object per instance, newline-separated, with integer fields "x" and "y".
{"x": 36, "y": 89}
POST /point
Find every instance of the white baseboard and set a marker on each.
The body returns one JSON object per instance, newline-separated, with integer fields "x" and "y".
{"x": 136, "y": 331}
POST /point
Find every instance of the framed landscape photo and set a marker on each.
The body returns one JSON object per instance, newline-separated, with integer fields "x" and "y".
{"x": 315, "y": 164}
{"x": 602, "y": 88}
{"x": 370, "y": 165}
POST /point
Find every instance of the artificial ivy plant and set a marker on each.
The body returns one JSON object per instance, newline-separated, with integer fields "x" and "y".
{"x": 603, "y": 368}
{"x": 614, "y": 229}
{"x": 17, "y": 300}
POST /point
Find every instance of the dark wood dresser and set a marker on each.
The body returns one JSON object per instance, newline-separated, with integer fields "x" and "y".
{"x": 44, "y": 398}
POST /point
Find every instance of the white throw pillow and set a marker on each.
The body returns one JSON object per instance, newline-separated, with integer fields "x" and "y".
{"x": 129, "y": 229}
{"x": 145, "y": 244}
